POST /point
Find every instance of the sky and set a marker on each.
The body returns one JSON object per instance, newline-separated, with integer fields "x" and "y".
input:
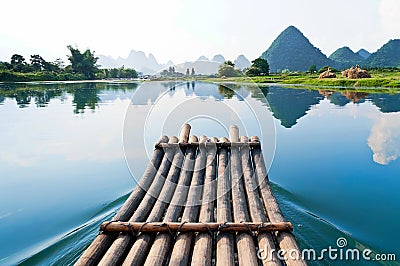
{"x": 182, "y": 30}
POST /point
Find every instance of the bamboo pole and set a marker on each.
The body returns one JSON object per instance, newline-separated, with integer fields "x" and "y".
{"x": 244, "y": 241}
{"x": 102, "y": 242}
{"x": 256, "y": 208}
{"x": 137, "y": 253}
{"x": 202, "y": 250}
{"x": 286, "y": 240}
{"x": 225, "y": 241}
{"x": 194, "y": 227}
{"x": 181, "y": 250}
{"x": 219, "y": 144}
{"x": 160, "y": 248}
{"x": 113, "y": 256}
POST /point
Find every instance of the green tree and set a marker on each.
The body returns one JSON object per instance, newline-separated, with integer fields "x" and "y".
{"x": 18, "y": 63}
{"x": 59, "y": 63}
{"x": 193, "y": 72}
{"x": 83, "y": 63}
{"x": 227, "y": 69}
{"x": 259, "y": 67}
{"x": 187, "y": 72}
{"x": 48, "y": 66}
{"x": 5, "y": 66}
{"x": 312, "y": 69}
{"x": 229, "y": 63}
{"x": 128, "y": 73}
{"x": 38, "y": 63}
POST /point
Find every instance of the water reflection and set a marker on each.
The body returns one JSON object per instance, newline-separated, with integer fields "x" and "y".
{"x": 387, "y": 103}
{"x": 343, "y": 98}
{"x": 85, "y": 95}
{"x": 286, "y": 105}
{"x": 328, "y": 141}
{"x": 289, "y": 105}
{"x": 384, "y": 139}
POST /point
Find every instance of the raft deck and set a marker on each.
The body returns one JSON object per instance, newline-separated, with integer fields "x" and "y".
{"x": 203, "y": 201}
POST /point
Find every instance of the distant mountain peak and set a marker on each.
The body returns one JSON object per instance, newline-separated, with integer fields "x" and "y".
{"x": 242, "y": 62}
{"x": 218, "y": 58}
{"x": 293, "y": 29}
{"x": 135, "y": 59}
{"x": 202, "y": 58}
{"x": 364, "y": 53}
{"x": 344, "y": 58}
{"x": 292, "y": 50}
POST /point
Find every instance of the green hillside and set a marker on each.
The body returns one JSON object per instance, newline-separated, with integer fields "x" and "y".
{"x": 293, "y": 51}
{"x": 344, "y": 58}
{"x": 387, "y": 56}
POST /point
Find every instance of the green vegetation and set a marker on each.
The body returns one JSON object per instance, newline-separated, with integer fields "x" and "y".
{"x": 293, "y": 51}
{"x": 86, "y": 95}
{"x": 83, "y": 63}
{"x": 389, "y": 78}
{"x": 312, "y": 69}
{"x": 227, "y": 69}
{"x": 345, "y": 58}
{"x": 387, "y": 56}
{"x": 260, "y": 67}
{"x": 171, "y": 73}
{"x": 83, "y": 66}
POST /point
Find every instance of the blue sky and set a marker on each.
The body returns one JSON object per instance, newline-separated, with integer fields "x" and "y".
{"x": 185, "y": 29}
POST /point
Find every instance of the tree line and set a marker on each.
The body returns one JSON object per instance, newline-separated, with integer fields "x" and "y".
{"x": 83, "y": 65}
{"x": 259, "y": 67}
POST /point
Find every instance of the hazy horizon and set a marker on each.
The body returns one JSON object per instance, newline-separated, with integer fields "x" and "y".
{"x": 181, "y": 31}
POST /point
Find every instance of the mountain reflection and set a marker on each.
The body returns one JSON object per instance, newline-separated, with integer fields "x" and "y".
{"x": 287, "y": 105}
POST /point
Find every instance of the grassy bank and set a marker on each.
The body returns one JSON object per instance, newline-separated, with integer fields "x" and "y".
{"x": 386, "y": 79}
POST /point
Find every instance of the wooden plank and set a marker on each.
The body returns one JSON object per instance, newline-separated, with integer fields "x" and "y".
{"x": 202, "y": 250}
{"x": 182, "y": 247}
{"x": 286, "y": 240}
{"x": 256, "y": 208}
{"x": 167, "y": 226}
{"x": 225, "y": 241}
{"x": 137, "y": 253}
{"x": 102, "y": 242}
{"x": 113, "y": 256}
{"x": 244, "y": 241}
{"x": 161, "y": 246}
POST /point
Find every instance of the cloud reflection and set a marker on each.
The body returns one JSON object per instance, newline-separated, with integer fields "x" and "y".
{"x": 384, "y": 139}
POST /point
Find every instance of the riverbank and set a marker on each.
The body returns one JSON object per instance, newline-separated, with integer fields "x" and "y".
{"x": 379, "y": 79}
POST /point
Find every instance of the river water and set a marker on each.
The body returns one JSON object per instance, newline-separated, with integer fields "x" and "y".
{"x": 335, "y": 170}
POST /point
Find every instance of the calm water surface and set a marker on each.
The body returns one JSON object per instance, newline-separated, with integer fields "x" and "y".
{"x": 335, "y": 171}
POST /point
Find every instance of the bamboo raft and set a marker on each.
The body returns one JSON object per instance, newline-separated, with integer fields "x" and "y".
{"x": 203, "y": 201}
